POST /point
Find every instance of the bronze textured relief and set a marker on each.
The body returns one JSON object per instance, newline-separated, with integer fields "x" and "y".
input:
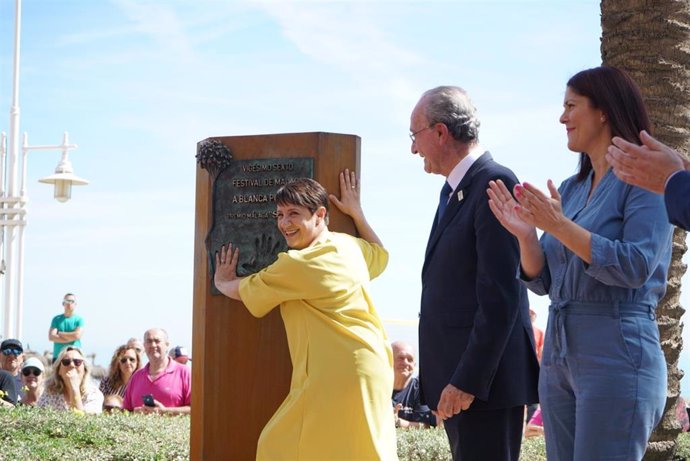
{"x": 244, "y": 209}
{"x": 213, "y": 156}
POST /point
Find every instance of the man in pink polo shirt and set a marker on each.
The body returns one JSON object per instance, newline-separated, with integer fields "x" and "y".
{"x": 163, "y": 385}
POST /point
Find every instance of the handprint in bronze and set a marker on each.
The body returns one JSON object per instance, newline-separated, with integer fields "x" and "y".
{"x": 266, "y": 249}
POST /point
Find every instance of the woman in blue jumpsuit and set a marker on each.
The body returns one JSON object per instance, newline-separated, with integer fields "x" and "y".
{"x": 602, "y": 259}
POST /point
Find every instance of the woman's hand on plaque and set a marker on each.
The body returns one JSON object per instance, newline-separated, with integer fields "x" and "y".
{"x": 226, "y": 264}
{"x": 348, "y": 202}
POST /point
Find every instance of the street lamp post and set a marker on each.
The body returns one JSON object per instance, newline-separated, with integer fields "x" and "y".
{"x": 13, "y": 204}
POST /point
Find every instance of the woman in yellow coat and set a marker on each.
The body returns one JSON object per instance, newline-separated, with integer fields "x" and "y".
{"x": 339, "y": 404}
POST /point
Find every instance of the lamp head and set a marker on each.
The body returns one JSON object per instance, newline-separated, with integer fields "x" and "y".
{"x": 63, "y": 179}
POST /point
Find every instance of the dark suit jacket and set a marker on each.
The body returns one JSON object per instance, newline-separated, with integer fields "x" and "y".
{"x": 677, "y": 198}
{"x": 474, "y": 326}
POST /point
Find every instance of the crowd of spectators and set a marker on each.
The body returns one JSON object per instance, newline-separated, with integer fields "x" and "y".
{"x": 66, "y": 381}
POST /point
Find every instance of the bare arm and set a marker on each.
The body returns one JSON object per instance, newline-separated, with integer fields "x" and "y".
{"x": 54, "y": 336}
{"x": 172, "y": 411}
{"x": 69, "y": 336}
{"x": 576, "y": 238}
{"x": 349, "y": 203}
{"x": 532, "y": 257}
{"x": 405, "y": 424}
{"x": 64, "y": 336}
{"x": 161, "y": 409}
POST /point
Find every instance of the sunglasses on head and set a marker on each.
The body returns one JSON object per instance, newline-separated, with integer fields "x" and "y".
{"x": 128, "y": 359}
{"x": 67, "y": 362}
{"x": 11, "y": 351}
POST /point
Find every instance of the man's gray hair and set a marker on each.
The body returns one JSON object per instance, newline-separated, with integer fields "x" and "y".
{"x": 163, "y": 332}
{"x": 452, "y": 106}
{"x": 403, "y": 345}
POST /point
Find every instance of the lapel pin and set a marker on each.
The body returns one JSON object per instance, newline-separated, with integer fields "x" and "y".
{"x": 460, "y": 196}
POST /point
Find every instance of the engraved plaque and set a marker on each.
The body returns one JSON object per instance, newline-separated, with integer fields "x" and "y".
{"x": 244, "y": 210}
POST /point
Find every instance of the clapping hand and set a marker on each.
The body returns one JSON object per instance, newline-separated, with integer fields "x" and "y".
{"x": 538, "y": 209}
{"x": 506, "y": 210}
{"x": 648, "y": 166}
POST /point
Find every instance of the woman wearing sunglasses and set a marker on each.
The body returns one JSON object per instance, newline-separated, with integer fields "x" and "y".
{"x": 33, "y": 376}
{"x": 70, "y": 387}
{"x": 125, "y": 361}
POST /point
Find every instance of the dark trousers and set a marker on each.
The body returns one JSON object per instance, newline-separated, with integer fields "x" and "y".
{"x": 486, "y": 435}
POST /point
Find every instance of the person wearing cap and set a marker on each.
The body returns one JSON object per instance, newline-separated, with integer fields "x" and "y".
{"x": 11, "y": 359}
{"x": 33, "y": 375}
{"x": 180, "y": 355}
{"x": 66, "y": 328}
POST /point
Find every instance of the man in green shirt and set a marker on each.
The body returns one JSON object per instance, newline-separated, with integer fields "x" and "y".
{"x": 66, "y": 329}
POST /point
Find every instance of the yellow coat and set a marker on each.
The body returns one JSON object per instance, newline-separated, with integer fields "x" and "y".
{"x": 339, "y": 404}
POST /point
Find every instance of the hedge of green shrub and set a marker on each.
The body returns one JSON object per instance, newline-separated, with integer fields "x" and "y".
{"x": 45, "y": 435}
{"x": 42, "y": 434}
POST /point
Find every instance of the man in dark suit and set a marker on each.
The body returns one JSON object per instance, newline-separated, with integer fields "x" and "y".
{"x": 656, "y": 167}
{"x": 478, "y": 368}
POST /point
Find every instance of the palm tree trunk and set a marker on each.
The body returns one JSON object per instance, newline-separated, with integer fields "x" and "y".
{"x": 651, "y": 40}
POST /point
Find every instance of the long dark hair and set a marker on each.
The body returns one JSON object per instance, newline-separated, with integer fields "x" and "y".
{"x": 616, "y": 94}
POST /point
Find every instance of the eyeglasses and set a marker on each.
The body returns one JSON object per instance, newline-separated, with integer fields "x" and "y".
{"x": 28, "y": 371}
{"x": 128, "y": 359}
{"x": 413, "y": 136}
{"x": 67, "y": 362}
{"x": 12, "y": 351}
{"x": 68, "y": 301}
{"x": 109, "y": 408}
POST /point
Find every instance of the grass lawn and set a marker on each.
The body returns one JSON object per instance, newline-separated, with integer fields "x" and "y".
{"x": 41, "y": 434}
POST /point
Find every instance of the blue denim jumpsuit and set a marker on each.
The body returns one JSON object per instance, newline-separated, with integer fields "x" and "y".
{"x": 602, "y": 385}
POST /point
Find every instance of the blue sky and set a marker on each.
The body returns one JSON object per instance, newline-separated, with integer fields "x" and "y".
{"x": 138, "y": 84}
